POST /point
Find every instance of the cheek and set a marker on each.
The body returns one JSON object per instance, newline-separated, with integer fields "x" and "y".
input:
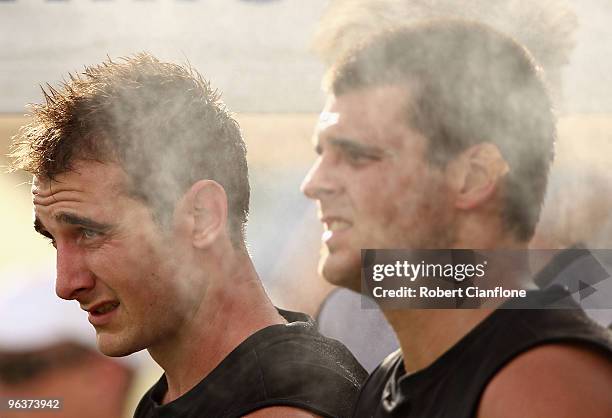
{"x": 402, "y": 209}
{"x": 388, "y": 200}
{"x": 125, "y": 266}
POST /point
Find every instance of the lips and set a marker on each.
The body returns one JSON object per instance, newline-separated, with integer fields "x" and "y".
{"x": 337, "y": 225}
{"x": 103, "y": 308}
{"x": 102, "y": 313}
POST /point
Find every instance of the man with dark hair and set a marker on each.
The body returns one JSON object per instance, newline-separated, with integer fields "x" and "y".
{"x": 141, "y": 184}
{"x": 440, "y": 136}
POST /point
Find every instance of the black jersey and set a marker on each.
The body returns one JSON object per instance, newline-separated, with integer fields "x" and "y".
{"x": 286, "y": 364}
{"x": 452, "y": 386}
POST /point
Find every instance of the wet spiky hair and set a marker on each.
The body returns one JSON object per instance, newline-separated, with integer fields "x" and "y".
{"x": 162, "y": 122}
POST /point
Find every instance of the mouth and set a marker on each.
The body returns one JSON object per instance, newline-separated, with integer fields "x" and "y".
{"x": 103, "y": 308}
{"x": 333, "y": 226}
{"x": 102, "y": 313}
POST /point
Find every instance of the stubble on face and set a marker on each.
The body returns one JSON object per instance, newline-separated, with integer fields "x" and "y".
{"x": 398, "y": 201}
{"x": 425, "y": 220}
{"x": 134, "y": 264}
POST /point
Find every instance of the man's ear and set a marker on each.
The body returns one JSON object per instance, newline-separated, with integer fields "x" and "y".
{"x": 208, "y": 208}
{"x": 476, "y": 174}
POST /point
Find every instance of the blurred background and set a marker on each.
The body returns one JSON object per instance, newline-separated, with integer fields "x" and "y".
{"x": 268, "y": 57}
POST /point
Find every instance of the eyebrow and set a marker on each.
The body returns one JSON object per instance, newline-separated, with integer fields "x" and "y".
{"x": 71, "y": 219}
{"x": 353, "y": 146}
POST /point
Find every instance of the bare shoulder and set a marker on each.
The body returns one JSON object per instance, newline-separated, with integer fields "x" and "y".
{"x": 281, "y": 412}
{"x": 557, "y": 380}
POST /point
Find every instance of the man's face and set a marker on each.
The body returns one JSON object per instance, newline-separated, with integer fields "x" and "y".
{"x": 373, "y": 184}
{"x": 113, "y": 258}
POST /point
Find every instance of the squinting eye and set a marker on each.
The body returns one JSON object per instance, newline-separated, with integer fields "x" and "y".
{"x": 355, "y": 157}
{"x": 89, "y": 234}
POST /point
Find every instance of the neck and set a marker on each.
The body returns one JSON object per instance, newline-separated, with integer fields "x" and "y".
{"x": 234, "y": 307}
{"x": 426, "y": 334}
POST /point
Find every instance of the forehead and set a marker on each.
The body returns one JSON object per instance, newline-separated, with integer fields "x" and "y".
{"x": 85, "y": 176}
{"x": 374, "y": 113}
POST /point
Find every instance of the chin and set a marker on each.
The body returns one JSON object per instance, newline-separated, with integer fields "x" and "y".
{"x": 342, "y": 270}
{"x": 114, "y": 346}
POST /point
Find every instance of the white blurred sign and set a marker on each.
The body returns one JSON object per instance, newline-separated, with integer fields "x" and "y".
{"x": 255, "y": 51}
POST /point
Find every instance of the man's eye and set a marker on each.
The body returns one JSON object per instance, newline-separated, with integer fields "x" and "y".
{"x": 89, "y": 233}
{"x": 358, "y": 157}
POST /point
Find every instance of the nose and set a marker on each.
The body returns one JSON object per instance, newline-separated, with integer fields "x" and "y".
{"x": 73, "y": 277}
{"x": 319, "y": 182}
